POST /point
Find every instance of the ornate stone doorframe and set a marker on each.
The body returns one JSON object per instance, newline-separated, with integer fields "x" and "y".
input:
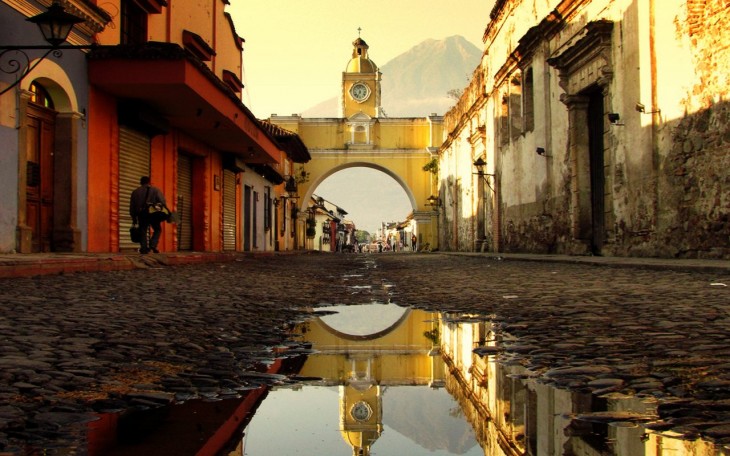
{"x": 584, "y": 67}
{"x": 65, "y": 234}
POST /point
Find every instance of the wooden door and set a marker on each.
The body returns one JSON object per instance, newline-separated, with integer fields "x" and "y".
{"x": 596, "y": 120}
{"x": 39, "y": 178}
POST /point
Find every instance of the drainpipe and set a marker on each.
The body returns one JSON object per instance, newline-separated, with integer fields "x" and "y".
{"x": 547, "y": 103}
{"x": 655, "y": 113}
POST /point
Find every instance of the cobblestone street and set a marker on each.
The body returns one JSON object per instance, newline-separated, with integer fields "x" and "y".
{"x": 83, "y": 342}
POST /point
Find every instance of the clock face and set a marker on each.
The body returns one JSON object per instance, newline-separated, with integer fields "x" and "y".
{"x": 361, "y": 411}
{"x": 360, "y": 92}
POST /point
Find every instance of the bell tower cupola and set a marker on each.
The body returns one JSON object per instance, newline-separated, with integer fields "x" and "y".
{"x": 360, "y": 83}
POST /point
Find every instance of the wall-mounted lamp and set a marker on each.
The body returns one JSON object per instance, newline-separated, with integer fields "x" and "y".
{"x": 642, "y": 109}
{"x": 291, "y": 184}
{"x": 480, "y": 164}
{"x": 614, "y": 118}
{"x": 541, "y": 152}
{"x": 433, "y": 201}
{"x": 55, "y": 25}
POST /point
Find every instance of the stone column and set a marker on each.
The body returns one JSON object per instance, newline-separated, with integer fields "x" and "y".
{"x": 24, "y": 242}
{"x": 580, "y": 171}
{"x": 66, "y": 235}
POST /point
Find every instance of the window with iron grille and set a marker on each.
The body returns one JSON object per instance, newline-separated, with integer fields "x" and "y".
{"x": 133, "y": 23}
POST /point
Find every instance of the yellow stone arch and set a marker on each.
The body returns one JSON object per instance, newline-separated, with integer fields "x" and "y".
{"x": 402, "y": 165}
{"x": 399, "y": 147}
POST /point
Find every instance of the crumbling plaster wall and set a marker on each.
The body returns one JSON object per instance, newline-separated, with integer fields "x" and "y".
{"x": 458, "y": 184}
{"x": 695, "y": 141}
{"x": 666, "y": 160}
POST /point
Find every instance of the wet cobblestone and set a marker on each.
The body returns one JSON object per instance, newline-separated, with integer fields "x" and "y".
{"x": 109, "y": 341}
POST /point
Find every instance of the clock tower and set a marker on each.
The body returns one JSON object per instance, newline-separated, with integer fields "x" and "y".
{"x": 360, "y": 84}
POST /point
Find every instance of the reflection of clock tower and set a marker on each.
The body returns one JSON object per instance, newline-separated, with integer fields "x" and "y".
{"x": 361, "y": 413}
{"x": 360, "y": 84}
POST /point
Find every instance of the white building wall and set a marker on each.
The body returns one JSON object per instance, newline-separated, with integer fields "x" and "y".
{"x": 660, "y": 67}
{"x": 263, "y": 240}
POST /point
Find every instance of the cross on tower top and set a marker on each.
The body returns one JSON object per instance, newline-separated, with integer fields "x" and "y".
{"x": 358, "y": 32}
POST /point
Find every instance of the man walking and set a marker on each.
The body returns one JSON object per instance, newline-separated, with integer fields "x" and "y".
{"x": 141, "y": 198}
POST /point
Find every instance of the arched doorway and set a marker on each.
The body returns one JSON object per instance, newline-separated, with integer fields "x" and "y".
{"x": 368, "y": 206}
{"x": 39, "y": 158}
{"x": 402, "y": 170}
{"x": 369, "y": 195}
{"x": 48, "y": 175}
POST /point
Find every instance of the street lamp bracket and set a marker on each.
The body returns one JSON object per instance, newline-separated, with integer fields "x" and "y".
{"x": 55, "y": 25}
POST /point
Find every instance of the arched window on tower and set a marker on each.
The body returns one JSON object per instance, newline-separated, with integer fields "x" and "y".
{"x": 360, "y": 135}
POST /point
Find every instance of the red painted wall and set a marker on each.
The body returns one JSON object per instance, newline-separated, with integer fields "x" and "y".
{"x": 163, "y": 174}
{"x": 103, "y": 168}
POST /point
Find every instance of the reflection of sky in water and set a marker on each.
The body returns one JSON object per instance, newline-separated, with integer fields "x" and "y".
{"x": 364, "y": 319}
{"x": 417, "y": 420}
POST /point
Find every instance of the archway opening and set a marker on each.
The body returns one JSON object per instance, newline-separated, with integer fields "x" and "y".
{"x": 369, "y": 196}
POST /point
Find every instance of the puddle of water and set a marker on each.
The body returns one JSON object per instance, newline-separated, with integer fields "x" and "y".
{"x": 380, "y": 379}
{"x": 378, "y": 395}
{"x": 404, "y": 420}
{"x": 514, "y": 412}
{"x": 382, "y": 366}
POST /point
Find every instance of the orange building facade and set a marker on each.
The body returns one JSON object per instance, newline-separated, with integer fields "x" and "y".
{"x": 166, "y": 100}
{"x": 162, "y": 95}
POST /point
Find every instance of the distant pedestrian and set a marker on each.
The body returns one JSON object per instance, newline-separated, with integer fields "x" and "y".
{"x": 142, "y": 197}
{"x": 414, "y": 240}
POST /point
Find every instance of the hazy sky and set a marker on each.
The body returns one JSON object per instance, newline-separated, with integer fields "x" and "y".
{"x": 295, "y": 53}
{"x": 296, "y": 50}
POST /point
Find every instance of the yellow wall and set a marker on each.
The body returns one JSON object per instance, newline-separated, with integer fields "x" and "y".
{"x": 401, "y": 354}
{"x": 399, "y": 147}
{"x": 228, "y": 55}
{"x": 193, "y": 15}
{"x": 203, "y": 17}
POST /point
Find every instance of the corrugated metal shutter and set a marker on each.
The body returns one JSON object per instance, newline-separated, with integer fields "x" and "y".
{"x": 134, "y": 162}
{"x": 185, "y": 202}
{"x": 229, "y": 210}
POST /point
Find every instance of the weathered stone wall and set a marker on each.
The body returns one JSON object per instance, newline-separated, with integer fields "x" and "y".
{"x": 697, "y": 183}
{"x": 695, "y": 189}
{"x": 464, "y": 125}
{"x": 664, "y": 66}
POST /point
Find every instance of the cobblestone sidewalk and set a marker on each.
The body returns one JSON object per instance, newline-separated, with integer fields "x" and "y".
{"x": 75, "y": 343}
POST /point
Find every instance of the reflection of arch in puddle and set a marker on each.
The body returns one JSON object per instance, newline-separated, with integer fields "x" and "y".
{"x": 365, "y": 321}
